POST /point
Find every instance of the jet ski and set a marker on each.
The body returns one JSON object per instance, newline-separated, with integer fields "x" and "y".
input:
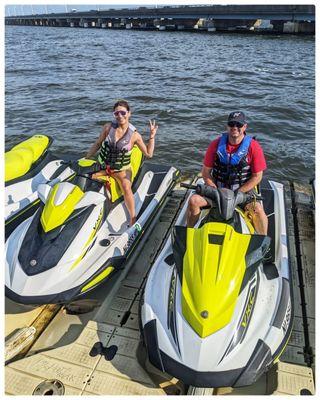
{"x": 27, "y": 165}
{"x": 79, "y": 237}
{"x": 217, "y": 306}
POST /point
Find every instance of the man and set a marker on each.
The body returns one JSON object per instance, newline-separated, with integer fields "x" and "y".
{"x": 236, "y": 161}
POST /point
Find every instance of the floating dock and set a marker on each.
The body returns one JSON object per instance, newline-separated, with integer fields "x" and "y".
{"x": 98, "y": 351}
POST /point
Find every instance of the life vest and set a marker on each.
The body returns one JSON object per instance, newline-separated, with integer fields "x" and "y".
{"x": 116, "y": 154}
{"x": 232, "y": 170}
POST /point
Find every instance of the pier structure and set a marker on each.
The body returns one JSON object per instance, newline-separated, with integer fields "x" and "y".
{"x": 298, "y": 19}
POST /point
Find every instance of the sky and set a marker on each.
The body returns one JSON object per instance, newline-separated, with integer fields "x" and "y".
{"x": 27, "y": 9}
{"x": 57, "y": 6}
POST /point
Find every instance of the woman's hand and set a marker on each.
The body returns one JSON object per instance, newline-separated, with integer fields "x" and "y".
{"x": 153, "y": 128}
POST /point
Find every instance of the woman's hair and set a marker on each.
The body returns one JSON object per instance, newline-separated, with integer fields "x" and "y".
{"x": 121, "y": 103}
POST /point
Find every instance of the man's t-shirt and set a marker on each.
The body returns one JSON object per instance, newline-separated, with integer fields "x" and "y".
{"x": 255, "y": 156}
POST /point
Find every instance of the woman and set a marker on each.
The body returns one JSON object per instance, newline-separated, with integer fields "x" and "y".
{"x": 115, "y": 143}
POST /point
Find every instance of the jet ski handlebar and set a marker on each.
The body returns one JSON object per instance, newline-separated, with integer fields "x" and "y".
{"x": 225, "y": 200}
{"x": 80, "y": 169}
{"x": 83, "y": 172}
{"x": 187, "y": 186}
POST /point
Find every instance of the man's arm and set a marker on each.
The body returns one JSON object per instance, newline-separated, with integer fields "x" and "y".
{"x": 252, "y": 182}
{"x": 206, "y": 175}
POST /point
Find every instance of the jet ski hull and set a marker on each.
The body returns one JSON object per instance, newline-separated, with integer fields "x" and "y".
{"x": 239, "y": 352}
{"x": 109, "y": 251}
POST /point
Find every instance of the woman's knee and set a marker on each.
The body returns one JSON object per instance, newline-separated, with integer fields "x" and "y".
{"x": 126, "y": 186}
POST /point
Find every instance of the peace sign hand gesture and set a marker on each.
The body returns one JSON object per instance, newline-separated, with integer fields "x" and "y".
{"x": 153, "y": 128}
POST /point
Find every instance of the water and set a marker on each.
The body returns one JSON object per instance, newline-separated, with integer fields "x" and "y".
{"x": 63, "y": 82}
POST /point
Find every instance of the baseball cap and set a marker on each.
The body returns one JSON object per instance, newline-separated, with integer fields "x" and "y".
{"x": 237, "y": 116}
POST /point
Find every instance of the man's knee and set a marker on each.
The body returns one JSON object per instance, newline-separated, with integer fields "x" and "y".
{"x": 256, "y": 210}
{"x": 196, "y": 202}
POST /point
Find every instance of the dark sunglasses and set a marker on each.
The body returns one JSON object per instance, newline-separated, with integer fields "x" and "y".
{"x": 233, "y": 124}
{"x": 120, "y": 112}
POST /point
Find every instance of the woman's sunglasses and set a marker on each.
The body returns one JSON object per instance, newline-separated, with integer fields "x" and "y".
{"x": 120, "y": 112}
{"x": 233, "y": 124}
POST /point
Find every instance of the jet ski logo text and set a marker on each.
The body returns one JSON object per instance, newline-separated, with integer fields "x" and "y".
{"x": 133, "y": 236}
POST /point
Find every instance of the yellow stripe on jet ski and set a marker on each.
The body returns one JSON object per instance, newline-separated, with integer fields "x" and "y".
{"x": 17, "y": 215}
{"x": 91, "y": 236}
{"x": 20, "y": 158}
{"x": 55, "y": 215}
{"x": 213, "y": 270}
{"x": 98, "y": 278}
{"x": 247, "y": 220}
{"x": 283, "y": 348}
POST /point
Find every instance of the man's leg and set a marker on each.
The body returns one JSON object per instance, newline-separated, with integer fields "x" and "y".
{"x": 194, "y": 209}
{"x": 258, "y": 216}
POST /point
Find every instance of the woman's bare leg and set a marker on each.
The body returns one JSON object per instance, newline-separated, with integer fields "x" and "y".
{"x": 124, "y": 180}
{"x": 98, "y": 174}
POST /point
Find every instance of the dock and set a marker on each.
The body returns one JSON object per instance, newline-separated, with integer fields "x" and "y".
{"x": 83, "y": 350}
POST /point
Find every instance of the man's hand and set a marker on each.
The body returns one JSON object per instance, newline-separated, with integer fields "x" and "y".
{"x": 251, "y": 183}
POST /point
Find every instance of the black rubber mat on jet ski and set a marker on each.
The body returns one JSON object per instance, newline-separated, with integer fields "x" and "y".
{"x": 40, "y": 252}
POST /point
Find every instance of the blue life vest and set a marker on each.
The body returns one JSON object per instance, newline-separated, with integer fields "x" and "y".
{"x": 232, "y": 170}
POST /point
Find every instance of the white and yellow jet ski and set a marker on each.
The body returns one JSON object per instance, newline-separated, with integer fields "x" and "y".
{"x": 216, "y": 310}
{"x": 79, "y": 237}
{"x": 27, "y": 165}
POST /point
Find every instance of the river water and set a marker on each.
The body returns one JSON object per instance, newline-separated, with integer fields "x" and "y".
{"x": 63, "y": 82}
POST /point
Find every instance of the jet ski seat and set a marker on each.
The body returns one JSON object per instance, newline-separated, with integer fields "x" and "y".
{"x": 135, "y": 163}
{"x": 22, "y": 157}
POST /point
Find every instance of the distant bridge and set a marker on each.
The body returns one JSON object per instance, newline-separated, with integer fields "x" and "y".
{"x": 223, "y": 16}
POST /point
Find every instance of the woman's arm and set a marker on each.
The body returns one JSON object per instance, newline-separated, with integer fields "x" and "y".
{"x": 97, "y": 144}
{"x": 147, "y": 150}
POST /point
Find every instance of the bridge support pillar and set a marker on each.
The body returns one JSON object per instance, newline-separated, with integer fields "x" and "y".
{"x": 298, "y": 27}
{"x": 234, "y": 24}
{"x": 146, "y": 23}
{"x": 83, "y": 23}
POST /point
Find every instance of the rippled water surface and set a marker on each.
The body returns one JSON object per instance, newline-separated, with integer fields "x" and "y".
{"x": 63, "y": 82}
